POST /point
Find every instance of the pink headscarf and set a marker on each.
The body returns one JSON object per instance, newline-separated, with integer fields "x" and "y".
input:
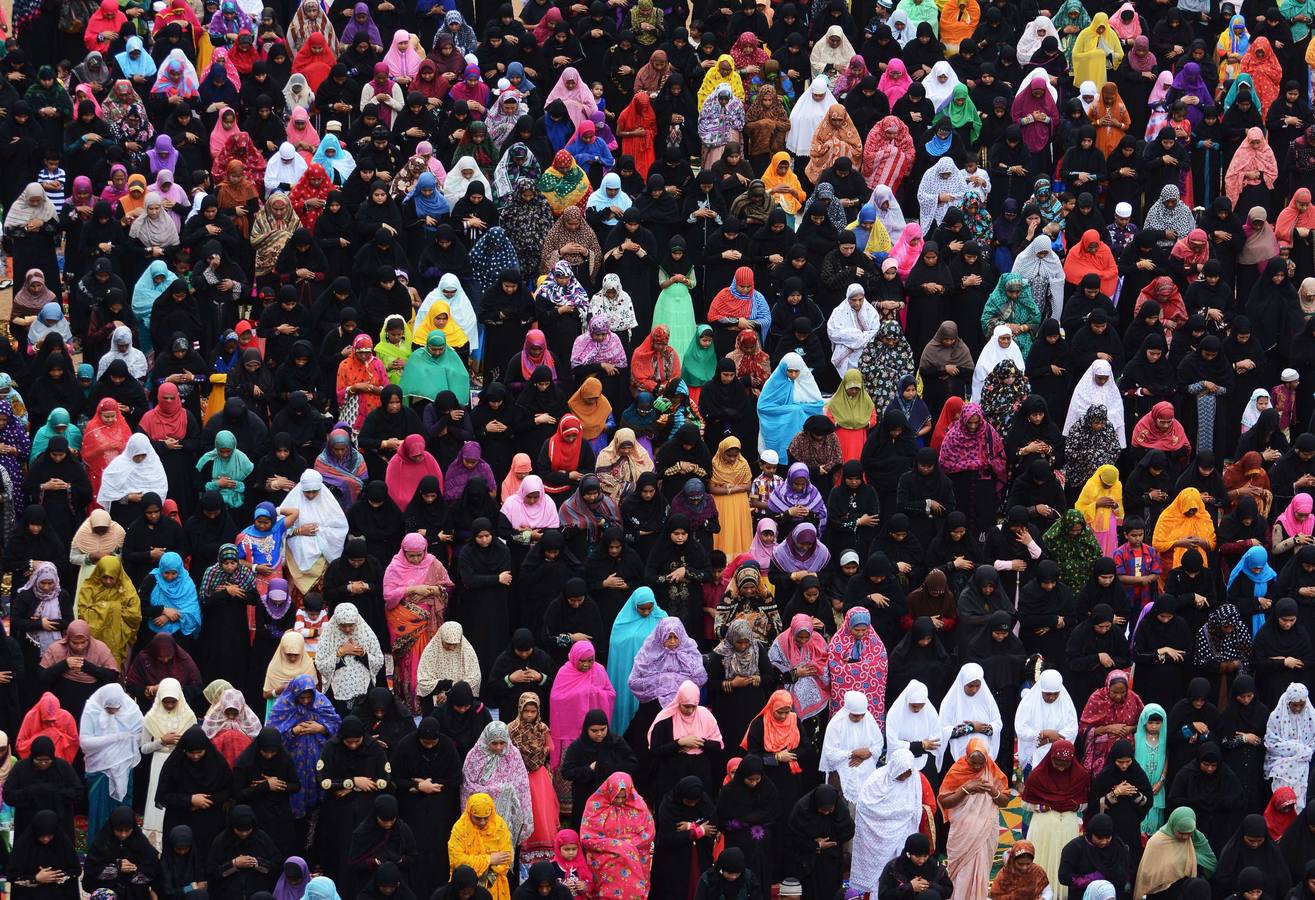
{"x": 219, "y": 135}
{"x": 306, "y": 135}
{"x": 579, "y": 100}
{"x": 403, "y": 63}
{"x": 702, "y": 724}
{"x": 221, "y": 57}
{"x": 519, "y": 513}
{"x": 908, "y": 249}
{"x": 574, "y": 693}
{"x": 435, "y": 165}
{"x": 1302, "y": 503}
{"x": 409, "y": 465}
{"x": 761, "y": 554}
{"x": 895, "y": 88}
{"x": 812, "y": 653}
{"x": 402, "y": 573}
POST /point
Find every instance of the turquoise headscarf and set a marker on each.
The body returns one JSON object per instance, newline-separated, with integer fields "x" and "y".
{"x": 237, "y": 467}
{"x": 1183, "y": 820}
{"x": 145, "y": 292}
{"x": 628, "y": 634}
{"x": 179, "y": 594}
{"x": 426, "y": 376}
{"x": 58, "y": 417}
{"x": 1153, "y": 761}
{"x": 341, "y": 166}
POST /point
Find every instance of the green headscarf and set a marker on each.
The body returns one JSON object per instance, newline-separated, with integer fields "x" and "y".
{"x": 1183, "y": 820}
{"x": 58, "y": 416}
{"x": 387, "y": 352}
{"x": 699, "y": 364}
{"x": 426, "y": 376}
{"x": 1074, "y": 555}
{"x": 237, "y": 467}
{"x": 1024, "y": 312}
{"x": 965, "y": 115}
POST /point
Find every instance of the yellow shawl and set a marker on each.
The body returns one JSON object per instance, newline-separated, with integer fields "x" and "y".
{"x": 470, "y": 845}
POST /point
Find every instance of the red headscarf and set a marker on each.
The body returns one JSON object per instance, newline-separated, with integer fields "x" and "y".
{"x": 168, "y": 419}
{"x": 1292, "y": 218}
{"x": 728, "y": 304}
{"x": 565, "y": 455}
{"x": 1101, "y": 262}
{"x": 1147, "y": 434}
{"x": 1278, "y": 818}
{"x": 51, "y": 720}
{"x": 1062, "y": 791}
{"x": 314, "y": 60}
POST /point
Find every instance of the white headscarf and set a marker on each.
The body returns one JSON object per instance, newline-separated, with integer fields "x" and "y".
{"x": 908, "y": 33}
{"x": 324, "y": 511}
{"x": 1251, "y": 414}
{"x": 349, "y": 676}
{"x": 159, "y": 230}
{"x": 454, "y": 188}
{"x": 904, "y": 726}
{"x": 111, "y": 742}
{"x": 22, "y": 211}
{"x": 286, "y": 166}
{"x": 1289, "y": 740}
{"x": 1088, "y": 89}
{"x": 1086, "y": 394}
{"x": 123, "y": 476}
{"x": 304, "y": 99}
{"x": 886, "y": 811}
{"x": 939, "y": 92}
{"x": 1029, "y": 41}
{"x": 1040, "y": 270}
{"x": 892, "y": 218}
{"x": 992, "y": 355}
{"x": 1035, "y": 715}
{"x": 134, "y": 358}
{"x": 437, "y": 663}
{"x": 807, "y": 114}
{"x": 824, "y": 54}
{"x": 958, "y": 707}
{"x": 805, "y": 386}
{"x": 849, "y": 331}
{"x": 160, "y": 721}
{"x": 463, "y": 311}
{"x": 942, "y": 178}
{"x": 843, "y": 736}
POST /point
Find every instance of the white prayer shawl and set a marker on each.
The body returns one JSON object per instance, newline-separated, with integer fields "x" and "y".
{"x": 1041, "y": 273}
{"x": 1035, "y": 715}
{"x": 350, "y": 677}
{"x": 111, "y": 742}
{"x": 940, "y": 84}
{"x": 886, "y": 812}
{"x": 807, "y": 114}
{"x": 1289, "y": 741}
{"x": 905, "y": 34}
{"x": 824, "y": 54}
{"x": 286, "y": 166}
{"x": 1086, "y": 394}
{"x": 992, "y": 355}
{"x": 904, "y": 726}
{"x": 131, "y": 356}
{"x": 942, "y": 178}
{"x": 324, "y": 511}
{"x": 463, "y": 311}
{"x": 1029, "y": 43}
{"x": 851, "y": 331}
{"x": 454, "y": 186}
{"x": 844, "y": 736}
{"x": 958, "y": 707}
{"x": 123, "y": 476}
{"x": 893, "y": 216}
{"x": 437, "y": 663}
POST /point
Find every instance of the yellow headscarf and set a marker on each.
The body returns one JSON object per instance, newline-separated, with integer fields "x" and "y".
{"x": 724, "y": 472}
{"x": 1089, "y": 56}
{"x": 470, "y": 845}
{"x": 713, "y": 77}
{"x": 1104, "y": 482}
{"x": 452, "y": 331}
{"x": 114, "y": 613}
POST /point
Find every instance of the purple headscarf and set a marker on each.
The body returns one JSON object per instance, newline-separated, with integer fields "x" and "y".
{"x": 285, "y": 891}
{"x": 349, "y": 33}
{"x": 657, "y": 672}
{"x": 1189, "y": 82}
{"x": 788, "y": 556}
{"x": 456, "y": 476}
{"x": 163, "y": 155}
{"x": 785, "y": 496}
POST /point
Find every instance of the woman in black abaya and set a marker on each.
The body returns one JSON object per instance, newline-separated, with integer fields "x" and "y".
{"x": 43, "y": 846}
{"x": 427, "y": 776}
{"x": 820, "y": 815}
{"x": 1242, "y": 725}
{"x": 195, "y": 767}
{"x": 266, "y": 758}
{"x": 351, "y": 754}
{"x": 227, "y": 880}
{"x": 678, "y": 855}
{"x": 121, "y": 839}
{"x": 748, "y": 812}
{"x": 484, "y": 573}
{"x": 589, "y": 761}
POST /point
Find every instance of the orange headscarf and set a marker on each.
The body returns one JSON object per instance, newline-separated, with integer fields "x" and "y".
{"x": 1292, "y": 218}
{"x": 1081, "y": 262}
{"x": 590, "y": 407}
{"x": 777, "y": 735}
{"x": 962, "y": 771}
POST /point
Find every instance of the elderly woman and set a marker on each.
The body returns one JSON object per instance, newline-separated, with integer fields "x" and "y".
{"x": 494, "y": 767}
{"x": 973, "y": 790}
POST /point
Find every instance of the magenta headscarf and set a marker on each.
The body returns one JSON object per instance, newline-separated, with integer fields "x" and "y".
{"x": 1036, "y": 134}
{"x": 409, "y": 465}
{"x": 761, "y": 554}
{"x": 700, "y": 725}
{"x": 657, "y": 672}
{"x": 574, "y": 693}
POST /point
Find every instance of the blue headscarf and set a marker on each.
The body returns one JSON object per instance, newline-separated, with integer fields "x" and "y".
{"x": 629, "y": 632}
{"x": 435, "y": 204}
{"x": 341, "y": 166}
{"x": 517, "y": 68}
{"x": 142, "y": 66}
{"x": 179, "y": 594}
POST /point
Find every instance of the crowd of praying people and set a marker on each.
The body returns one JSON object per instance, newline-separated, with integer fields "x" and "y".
{"x": 633, "y": 448}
